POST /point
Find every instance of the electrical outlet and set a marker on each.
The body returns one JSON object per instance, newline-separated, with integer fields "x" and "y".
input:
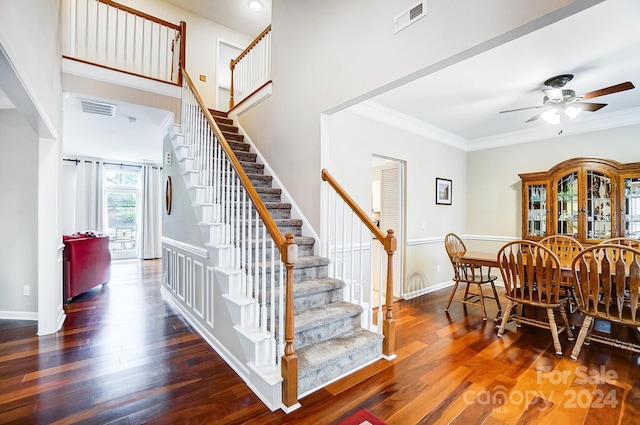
{"x": 26, "y": 290}
{"x": 438, "y": 268}
{"x": 203, "y": 78}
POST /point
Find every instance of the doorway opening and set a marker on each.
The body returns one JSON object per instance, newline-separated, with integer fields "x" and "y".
{"x": 226, "y": 53}
{"x": 122, "y": 190}
{"x": 388, "y": 210}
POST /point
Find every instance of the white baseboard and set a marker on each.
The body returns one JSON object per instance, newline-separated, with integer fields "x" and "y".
{"x": 18, "y": 315}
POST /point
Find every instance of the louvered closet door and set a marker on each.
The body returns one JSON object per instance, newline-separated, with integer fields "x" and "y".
{"x": 391, "y": 216}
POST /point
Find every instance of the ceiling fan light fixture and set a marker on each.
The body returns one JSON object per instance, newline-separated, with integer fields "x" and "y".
{"x": 572, "y": 111}
{"x": 551, "y": 116}
{"x": 255, "y": 5}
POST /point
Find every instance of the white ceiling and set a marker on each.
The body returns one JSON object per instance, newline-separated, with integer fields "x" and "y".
{"x": 234, "y": 14}
{"x": 600, "y": 46}
{"x": 460, "y": 104}
{"x": 132, "y": 135}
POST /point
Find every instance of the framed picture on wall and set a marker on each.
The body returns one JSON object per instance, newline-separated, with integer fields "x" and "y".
{"x": 443, "y": 191}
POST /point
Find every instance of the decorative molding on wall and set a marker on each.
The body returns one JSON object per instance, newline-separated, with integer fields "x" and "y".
{"x": 440, "y": 239}
{"x": 192, "y": 249}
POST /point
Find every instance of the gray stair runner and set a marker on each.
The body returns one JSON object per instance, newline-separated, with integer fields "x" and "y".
{"x": 329, "y": 340}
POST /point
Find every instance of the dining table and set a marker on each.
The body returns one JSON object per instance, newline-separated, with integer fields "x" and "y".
{"x": 490, "y": 259}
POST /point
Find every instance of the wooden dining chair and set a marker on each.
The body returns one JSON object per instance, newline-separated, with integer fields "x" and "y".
{"x": 633, "y": 243}
{"x": 531, "y": 274}
{"x": 469, "y": 275}
{"x": 566, "y": 248}
{"x": 607, "y": 280}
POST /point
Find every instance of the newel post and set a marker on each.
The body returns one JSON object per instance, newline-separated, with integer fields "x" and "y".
{"x": 290, "y": 359}
{"x": 182, "y": 60}
{"x": 388, "y": 325}
{"x": 232, "y": 67}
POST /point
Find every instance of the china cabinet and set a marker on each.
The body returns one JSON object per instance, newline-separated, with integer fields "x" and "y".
{"x": 590, "y": 199}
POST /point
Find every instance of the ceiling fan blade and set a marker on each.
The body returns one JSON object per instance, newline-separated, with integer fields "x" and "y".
{"x": 553, "y": 94}
{"x": 592, "y": 107}
{"x": 523, "y": 109}
{"x": 535, "y": 117}
{"x": 608, "y": 90}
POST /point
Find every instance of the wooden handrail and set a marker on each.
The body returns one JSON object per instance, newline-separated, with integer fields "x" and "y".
{"x": 354, "y": 206}
{"x": 251, "y": 46}
{"x": 232, "y": 65}
{"x": 270, "y": 225}
{"x": 140, "y": 14}
{"x": 390, "y": 244}
{"x": 288, "y": 254}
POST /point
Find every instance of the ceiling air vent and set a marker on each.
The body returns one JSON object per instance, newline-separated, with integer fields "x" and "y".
{"x": 409, "y": 16}
{"x": 98, "y": 108}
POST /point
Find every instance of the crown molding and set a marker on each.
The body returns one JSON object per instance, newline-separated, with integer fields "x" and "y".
{"x": 389, "y": 116}
{"x": 385, "y": 115}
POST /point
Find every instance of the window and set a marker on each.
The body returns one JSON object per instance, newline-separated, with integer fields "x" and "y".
{"x": 122, "y": 191}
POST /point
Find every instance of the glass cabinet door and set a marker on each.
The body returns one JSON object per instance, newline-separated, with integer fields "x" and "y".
{"x": 567, "y": 205}
{"x": 536, "y": 195}
{"x": 631, "y": 218}
{"x": 598, "y": 205}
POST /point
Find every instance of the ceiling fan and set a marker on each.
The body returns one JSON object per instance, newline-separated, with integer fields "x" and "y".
{"x": 560, "y": 101}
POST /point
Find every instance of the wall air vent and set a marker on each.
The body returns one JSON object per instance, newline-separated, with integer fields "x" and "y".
{"x": 98, "y": 108}
{"x": 410, "y": 16}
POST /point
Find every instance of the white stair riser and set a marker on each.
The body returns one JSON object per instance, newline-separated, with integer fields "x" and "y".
{"x": 260, "y": 352}
{"x": 220, "y": 255}
{"x": 192, "y": 178}
{"x": 197, "y": 194}
{"x": 187, "y": 164}
{"x": 182, "y": 151}
{"x": 213, "y": 232}
{"x": 243, "y": 315}
{"x": 230, "y": 282}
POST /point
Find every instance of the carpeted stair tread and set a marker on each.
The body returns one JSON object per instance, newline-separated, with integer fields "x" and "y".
{"x": 252, "y": 167}
{"x": 316, "y": 286}
{"x": 328, "y": 360}
{"x": 311, "y": 261}
{"x": 227, "y": 128}
{"x": 239, "y": 146}
{"x": 233, "y": 136}
{"x": 319, "y": 316}
{"x": 260, "y": 179}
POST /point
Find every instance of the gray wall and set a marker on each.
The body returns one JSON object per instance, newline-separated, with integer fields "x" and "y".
{"x": 331, "y": 54}
{"x": 493, "y": 185}
{"x": 179, "y": 225}
{"x": 19, "y": 213}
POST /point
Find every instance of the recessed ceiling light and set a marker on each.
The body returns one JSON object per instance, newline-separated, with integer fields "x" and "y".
{"x": 255, "y": 5}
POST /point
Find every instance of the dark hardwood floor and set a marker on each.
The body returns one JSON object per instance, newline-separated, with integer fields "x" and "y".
{"x": 125, "y": 357}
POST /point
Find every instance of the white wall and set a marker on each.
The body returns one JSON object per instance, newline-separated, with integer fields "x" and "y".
{"x": 30, "y": 64}
{"x": 18, "y": 215}
{"x": 202, "y": 36}
{"x": 355, "y": 139}
{"x": 347, "y": 52}
{"x": 29, "y": 36}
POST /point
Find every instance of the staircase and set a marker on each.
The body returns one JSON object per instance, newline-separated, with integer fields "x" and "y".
{"x": 329, "y": 339}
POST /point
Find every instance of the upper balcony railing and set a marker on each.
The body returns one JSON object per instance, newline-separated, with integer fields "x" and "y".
{"x": 251, "y": 70}
{"x": 110, "y": 35}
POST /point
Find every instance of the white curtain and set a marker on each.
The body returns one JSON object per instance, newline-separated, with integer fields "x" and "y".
{"x": 91, "y": 211}
{"x": 150, "y": 234}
